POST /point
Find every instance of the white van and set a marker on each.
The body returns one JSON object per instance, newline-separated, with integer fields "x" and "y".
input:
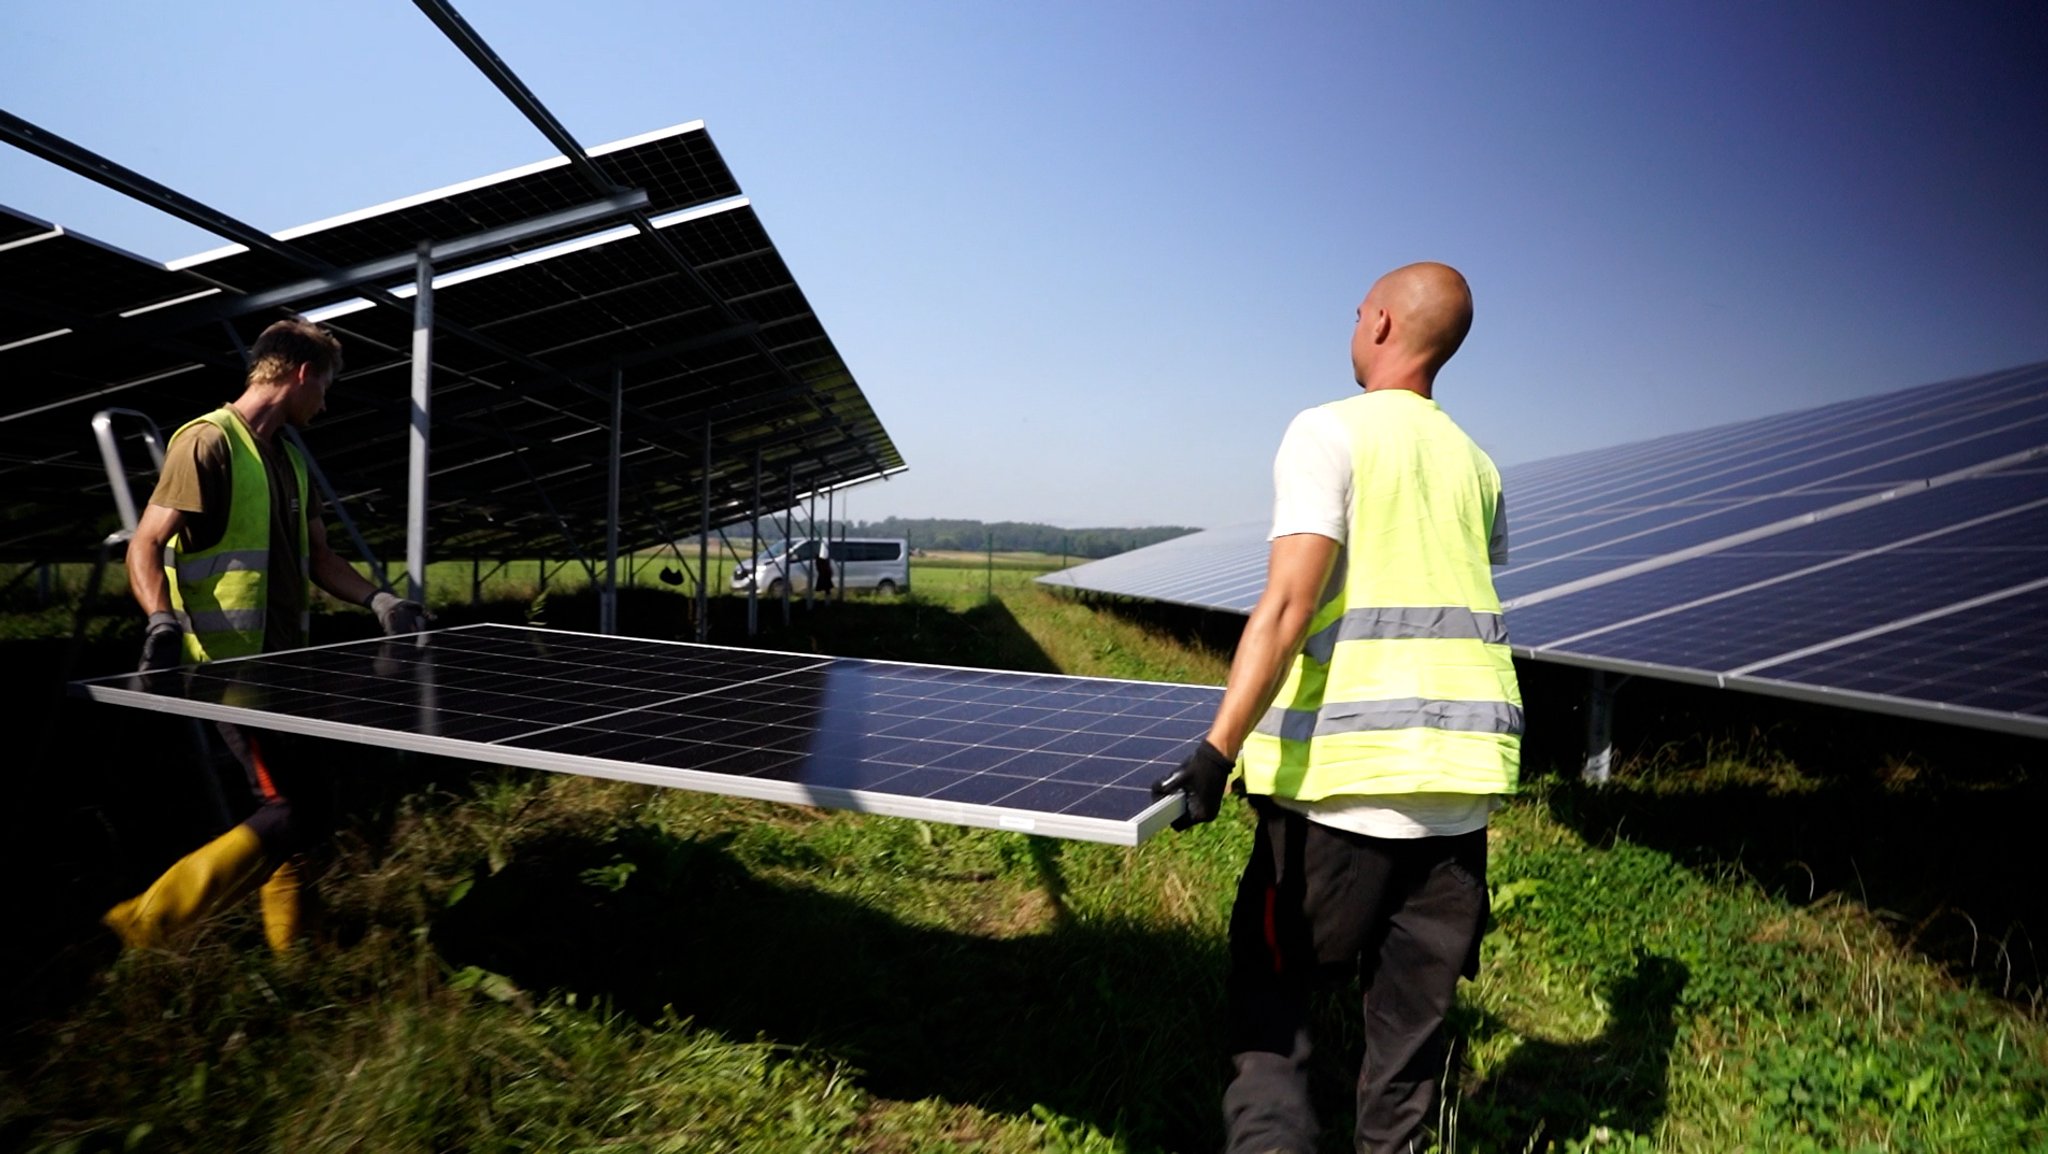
{"x": 878, "y": 563}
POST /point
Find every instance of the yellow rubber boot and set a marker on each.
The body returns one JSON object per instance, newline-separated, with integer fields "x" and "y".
{"x": 283, "y": 914}
{"x": 215, "y": 875}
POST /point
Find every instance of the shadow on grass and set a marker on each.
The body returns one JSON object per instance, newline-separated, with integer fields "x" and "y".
{"x": 1112, "y": 1023}
{"x": 1554, "y": 1095}
{"x": 1207, "y": 630}
{"x": 890, "y": 628}
{"x": 1925, "y": 825}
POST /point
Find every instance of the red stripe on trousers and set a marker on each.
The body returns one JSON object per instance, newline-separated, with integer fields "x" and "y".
{"x": 263, "y": 781}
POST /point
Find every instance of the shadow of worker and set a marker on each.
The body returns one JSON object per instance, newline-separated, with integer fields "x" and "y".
{"x": 1552, "y": 1095}
{"x": 1063, "y": 1018}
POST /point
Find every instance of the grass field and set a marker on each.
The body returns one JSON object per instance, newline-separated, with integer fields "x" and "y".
{"x": 1754, "y": 940}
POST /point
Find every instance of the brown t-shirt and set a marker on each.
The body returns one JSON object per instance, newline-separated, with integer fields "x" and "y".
{"x": 198, "y": 481}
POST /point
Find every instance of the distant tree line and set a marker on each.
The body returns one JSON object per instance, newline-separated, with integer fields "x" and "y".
{"x": 1015, "y": 536}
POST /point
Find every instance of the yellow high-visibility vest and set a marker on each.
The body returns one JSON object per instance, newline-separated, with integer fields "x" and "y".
{"x": 1405, "y": 683}
{"x": 222, "y": 592}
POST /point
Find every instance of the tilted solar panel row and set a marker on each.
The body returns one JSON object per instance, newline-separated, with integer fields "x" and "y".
{"x": 1889, "y": 552}
{"x": 751, "y": 360}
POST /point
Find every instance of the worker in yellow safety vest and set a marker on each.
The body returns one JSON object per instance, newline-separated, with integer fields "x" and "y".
{"x": 223, "y": 562}
{"x": 1373, "y": 718}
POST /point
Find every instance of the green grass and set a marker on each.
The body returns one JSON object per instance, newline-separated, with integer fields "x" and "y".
{"x": 951, "y": 577}
{"x": 514, "y": 961}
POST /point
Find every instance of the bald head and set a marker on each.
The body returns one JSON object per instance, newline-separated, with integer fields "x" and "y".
{"x": 1410, "y": 324}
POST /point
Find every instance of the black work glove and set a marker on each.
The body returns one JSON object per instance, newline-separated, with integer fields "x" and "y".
{"x": 1200, "y": 779}
{"x": 163, "y": 647}
{"x": 396, "y": 615}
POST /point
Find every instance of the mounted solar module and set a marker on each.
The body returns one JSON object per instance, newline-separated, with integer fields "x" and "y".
{"x": 1214, "y": 569}
{"x": 678, "y": 166}
{"x": 1888, "y": 553}
{"x": 722, "y": 337}
{"x": 1067, "y": 757}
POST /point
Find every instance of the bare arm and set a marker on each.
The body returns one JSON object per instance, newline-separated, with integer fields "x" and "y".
{"x": 329, "y": 571}
{"x": 146, "y": 579}
{"x": 1295, "y": 575}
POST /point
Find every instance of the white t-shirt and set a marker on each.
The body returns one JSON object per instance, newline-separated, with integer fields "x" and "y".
{"x": 1312, "y": 494}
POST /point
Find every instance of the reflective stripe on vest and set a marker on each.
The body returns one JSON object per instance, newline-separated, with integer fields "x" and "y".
{"x": 220, "y": 594}
{"x": 213, "y": 563}
{"x": 1404, "y": 683}
{"x": 1406, "y": 713}
{"x": 1402, "y": 622}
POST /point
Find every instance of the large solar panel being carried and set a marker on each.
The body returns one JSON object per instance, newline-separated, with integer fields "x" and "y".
{"x": 1069, "y": 757}
{"x": 1889, "y": 553}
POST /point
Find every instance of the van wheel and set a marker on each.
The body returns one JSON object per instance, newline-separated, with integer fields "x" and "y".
{"x": 886, "y": 587}
{"x": 775, "y": 587}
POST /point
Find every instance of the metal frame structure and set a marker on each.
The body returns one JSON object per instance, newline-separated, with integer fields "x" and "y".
{"x": 786, "y": 406}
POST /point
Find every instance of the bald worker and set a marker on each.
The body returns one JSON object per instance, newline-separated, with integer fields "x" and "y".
{"x": 1373, "y": 718}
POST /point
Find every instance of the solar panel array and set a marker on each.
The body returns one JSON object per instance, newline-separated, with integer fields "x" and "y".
{"x": 1888, "y": 552}
{"x": 1222, "y": 568}
{"x": 730, "y": 340}
{"x": 1067, "y": 757}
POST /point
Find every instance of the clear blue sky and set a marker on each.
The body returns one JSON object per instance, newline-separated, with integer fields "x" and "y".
{"x": 1087, "y": 259}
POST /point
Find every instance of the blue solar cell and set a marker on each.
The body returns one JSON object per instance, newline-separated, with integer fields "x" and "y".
{"x": 1755, "y": 457}
{"x": 1533, "y": 538}
{"x": 1834, "y": 602}
{"x": 1928, "y": 511}
{"x": 1670, "y": 530}
{"x": 1993, "y": 657}
{"x": 1707, "y": 470}
{"x": 1106, "y": 803}
{"x": 1023, "y": 751}
{"x": 1548, "y": 622}
{"x": 1520, "y": 579}
{"x": 1599, "y": 477}
{"x": 1592, "y": 513}
{"x": 1927, "y": 451}
{"x": 1905, "y": 516}
{"x": 1222, "y": 568}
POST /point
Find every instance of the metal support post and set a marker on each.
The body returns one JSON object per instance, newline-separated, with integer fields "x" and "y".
{"x": 422, "y": 384}
{"x": 811, "y": 532}
{"x": 788, "y": 542}
{"x": 608, "y": 604}
{"x": 335, "y": 505}
{"x": 704, "y": 548}
{"x": 1599, "y": 763}
{"x": 754, "y": 586}
{"x": 839, "y": 578}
